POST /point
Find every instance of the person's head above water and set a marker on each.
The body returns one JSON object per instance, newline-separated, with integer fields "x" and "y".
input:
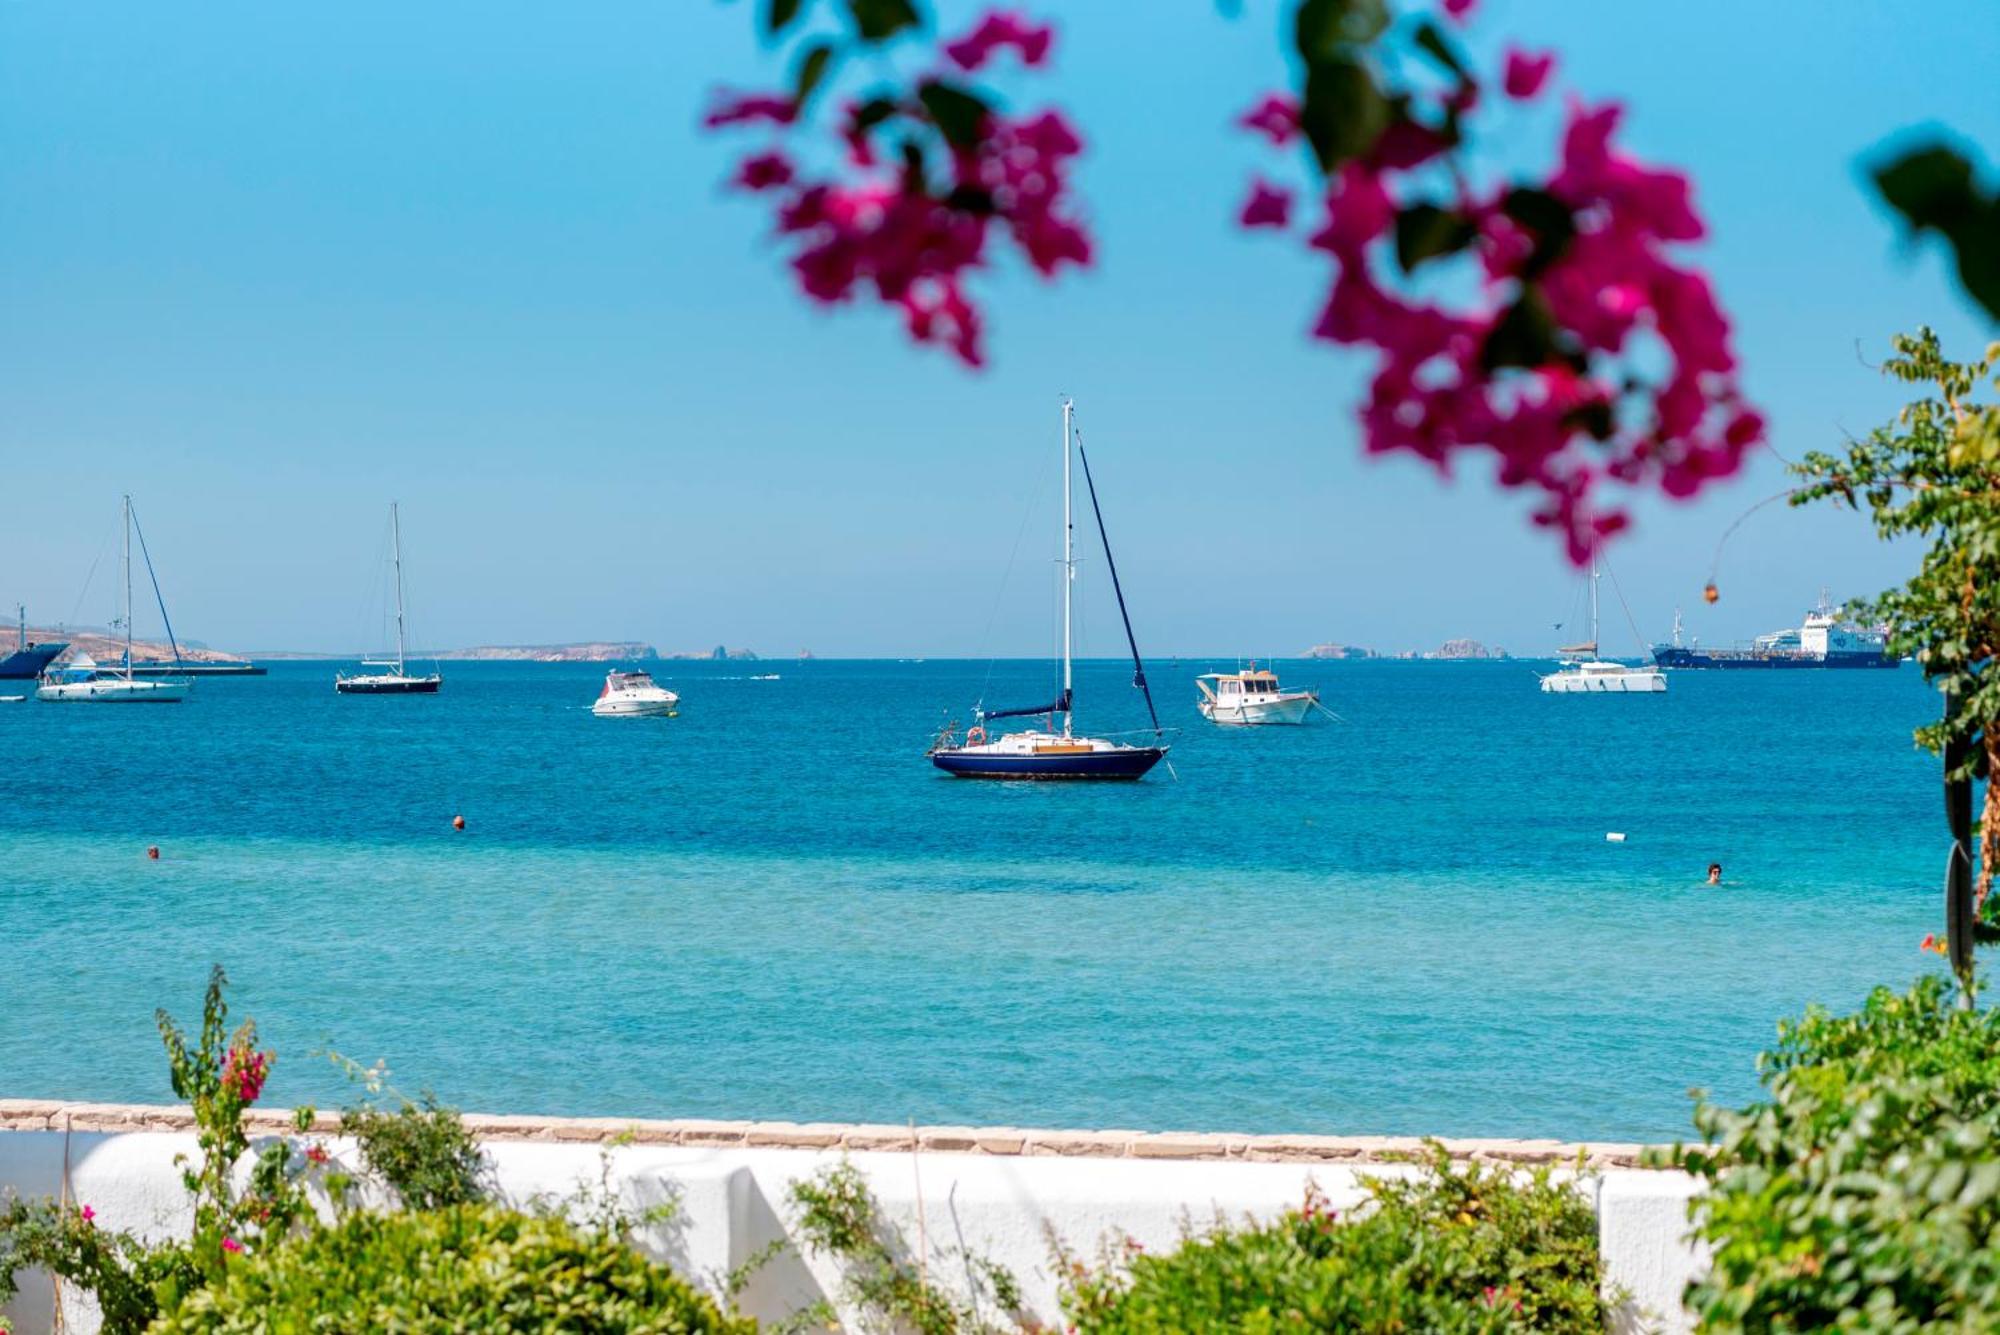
{"x": 1715, "y": 873}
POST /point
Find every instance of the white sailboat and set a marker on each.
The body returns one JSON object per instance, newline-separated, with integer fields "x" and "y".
{"x": 1584, "y": 673}
{"x": 398, "y": 682}
{"x": 82, "y": 681}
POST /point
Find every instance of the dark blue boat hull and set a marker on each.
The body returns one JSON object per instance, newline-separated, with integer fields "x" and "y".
{"x": 1130, "y": 763}
{"x": 28, "y": 663}
{"x": 1727, "y": 660}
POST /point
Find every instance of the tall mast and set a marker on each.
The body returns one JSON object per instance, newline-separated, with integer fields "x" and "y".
{"x": 128, "y": 587}
{"x": 396, "y": 548}
{"x": 22, "y": 610}
{"x": 1069, "y": 570}
{"x": 1595, "y": 651}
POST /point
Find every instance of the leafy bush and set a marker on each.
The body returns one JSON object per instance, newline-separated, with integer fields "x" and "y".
{"x": 123, "y": 1274}
{"x": 422, "y": 1150}
{"x": 473, "y": 1267}
{"x": 1455, "y": 1250}
{"x": 1864, "y": 1192}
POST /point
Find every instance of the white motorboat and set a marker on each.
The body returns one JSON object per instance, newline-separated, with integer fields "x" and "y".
{"x": 81, "y": 681}
{"x": 398, "y": 682}
{"x": 1251, "y": 697}
{"x": 634, "y": 695}
{"x": 1583, "y": 672}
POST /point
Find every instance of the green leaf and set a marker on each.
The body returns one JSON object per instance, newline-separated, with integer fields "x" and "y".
{"x": 1524, "y": 336}
{"x": 957, "y": 113}
{"x": 873, "y": 112}
{"x": 1343, "y": 113}
{"x": 971, "y": 199}
{"x": 1547, "y": 219}
{"x": 879, "y": 20}
{"x": 1432, "y": 42}
{"x": 812, "y": 69}
{"x": 1322, "y": 28}
{"x": 1934, "y": 190}
{"x": 1425, "y": 232}
{"x": 780, "y": 15}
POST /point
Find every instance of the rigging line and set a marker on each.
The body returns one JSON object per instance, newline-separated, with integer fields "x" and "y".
{"x": 1138, "y": 666}
{"x": 1637, "y": 638}
{"x": 1006, "y": 576}
{"x": 158, "y": 598}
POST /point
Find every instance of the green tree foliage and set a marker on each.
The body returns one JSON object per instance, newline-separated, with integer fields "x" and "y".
{"x": 1934, "y": 474}
{"x": 1937, "y": 191}
{"x": 468, "y": 1268}
{"x": 1454, "y": 1250}
{"x": 1863, "y": 1193}
{"x": 422, "y": 1150}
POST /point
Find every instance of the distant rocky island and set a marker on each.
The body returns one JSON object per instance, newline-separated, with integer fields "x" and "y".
{"x": 1465, "y": 649}
{"x": 1450, "y": 649}
{"x": 107, "y": 647}
{"x": 1338, "y": 651}
{"x": 593, "y": 651}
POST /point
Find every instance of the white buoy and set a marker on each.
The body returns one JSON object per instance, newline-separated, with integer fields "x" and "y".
{"x": 1614, "y": 837}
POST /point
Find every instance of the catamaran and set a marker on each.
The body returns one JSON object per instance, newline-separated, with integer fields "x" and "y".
{"x": 398, "y": 682}
{"x": 1584, "y": 673}
{"x": 83, "y": 681}
{"x": 1047, "y": 753}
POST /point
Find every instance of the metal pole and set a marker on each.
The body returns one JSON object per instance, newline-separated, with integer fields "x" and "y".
{"x": 1069, "y": 571}
{"x": 128, "y": 587}
{"x": 396, "y": 544}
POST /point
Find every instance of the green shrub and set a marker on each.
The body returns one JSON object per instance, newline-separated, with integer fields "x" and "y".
{"x": 422, "y": 1150}
{"x": 468, "y": 1268}
{"x": 1455, "y": 1250}
{"x": 1863, "y": 1193}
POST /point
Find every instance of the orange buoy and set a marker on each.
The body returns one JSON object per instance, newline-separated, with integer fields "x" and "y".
{"x": 1711, "y": 593}
{"x": 458, "y": 822}
{"x": 153, "y": 852}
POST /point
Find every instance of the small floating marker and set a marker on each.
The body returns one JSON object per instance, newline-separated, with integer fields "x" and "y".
{"x": 458, "y": 822}
{"x": 1710, "y": 593}
{"x": 153, "y": 852}
{"x": 1615, "y": 837}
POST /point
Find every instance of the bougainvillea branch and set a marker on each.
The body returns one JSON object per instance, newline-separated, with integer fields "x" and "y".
{"x": 1581, "y": 353}
{"x": 929, "y": 171}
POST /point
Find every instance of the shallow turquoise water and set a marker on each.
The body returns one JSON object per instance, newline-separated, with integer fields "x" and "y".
{"x": 774, "y": 907}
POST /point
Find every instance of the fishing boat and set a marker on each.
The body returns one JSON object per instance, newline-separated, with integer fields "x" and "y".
{"x": 1583, "y": 672}
{"x": 83, "y": 681}
{"x": 1250, "y": 698}
{"x": 399, "y": 681}
{"x": 634, "y": 695}
{"x": 1052, "y": 752}
{"x": 28, "y": 660}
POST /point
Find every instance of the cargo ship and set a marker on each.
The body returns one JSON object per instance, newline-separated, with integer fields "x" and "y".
{"x": 1823, "y": 640}
{"x": 28, "y": 660}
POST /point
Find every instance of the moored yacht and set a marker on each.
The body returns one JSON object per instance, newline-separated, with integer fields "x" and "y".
{"x": 1049, "y": 753}
{"x": 1583, "y": 672}
{"x": 399, "y": 681}
{"x": 82, "y": 681}
{"x": 1251, "y": 697}
{"x": 634, "y": 695}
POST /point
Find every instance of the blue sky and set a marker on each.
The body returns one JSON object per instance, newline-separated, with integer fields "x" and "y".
{"x": 267, "y": 267}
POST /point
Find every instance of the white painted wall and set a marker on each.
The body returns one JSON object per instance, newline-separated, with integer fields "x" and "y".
{"x": 733, "y": 1201}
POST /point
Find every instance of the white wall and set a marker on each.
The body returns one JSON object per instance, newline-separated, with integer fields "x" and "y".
{"x": 732, "y": 1201}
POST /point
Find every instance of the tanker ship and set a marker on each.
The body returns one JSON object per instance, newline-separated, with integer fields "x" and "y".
{"x": 1824, "y": 640}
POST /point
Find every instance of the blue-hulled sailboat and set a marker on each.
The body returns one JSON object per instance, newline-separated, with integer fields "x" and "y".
{"x": 1047, "y": 753}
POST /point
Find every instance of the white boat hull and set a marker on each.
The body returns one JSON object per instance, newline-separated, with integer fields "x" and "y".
{"x": 634, "y": 705}
{"x": 1285, "y": 707}
{"x": 114, "y": 691}
{"x": 1623, "y": 681}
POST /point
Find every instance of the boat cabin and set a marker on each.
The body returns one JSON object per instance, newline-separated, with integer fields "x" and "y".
{"x": 1239, "y": 685}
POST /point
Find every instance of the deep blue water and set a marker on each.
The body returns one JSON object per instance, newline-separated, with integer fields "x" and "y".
{"x": 773, "y": 907}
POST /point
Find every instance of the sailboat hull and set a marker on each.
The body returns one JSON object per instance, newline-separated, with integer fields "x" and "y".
{"x": 1125, "y": 762}
{"x": 113, "y": 691}
{"x": 387, "y": 685}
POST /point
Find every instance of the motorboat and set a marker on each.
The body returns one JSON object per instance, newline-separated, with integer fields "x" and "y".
{"x": 399, "y": 681}
{"x": 1053, "y": 752}
{"x": 634, "y": 695}
{"x": 81, "y": 680}
{"x": 1251, "y": 697}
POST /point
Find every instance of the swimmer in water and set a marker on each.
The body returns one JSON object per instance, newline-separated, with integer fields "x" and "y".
{"x": 1715, "y": 873}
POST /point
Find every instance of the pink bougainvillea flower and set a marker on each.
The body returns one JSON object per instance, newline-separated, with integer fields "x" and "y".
{"x": 1527, "y": 72}
{"x": 87, "y": 1214}
{"x": 316, "y": 1154}
{"x": 764, "y": 171}
{"x": 1459, "y": 10}
{"x": 1267, "y": 206}
{"x": 243, "y": 1073}
{"x": 741, "y": 108}
{"x": 231, "y": 1245}
{"x": 996, "y": 30}
{"x": 1276, "y": 118}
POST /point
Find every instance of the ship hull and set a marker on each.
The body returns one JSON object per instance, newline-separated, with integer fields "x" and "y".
{"x": 1125, "y": 762}
{"x": 387, "y": 685}
{"x": 1750, "y": 661}
{"x": 27, "y": 664}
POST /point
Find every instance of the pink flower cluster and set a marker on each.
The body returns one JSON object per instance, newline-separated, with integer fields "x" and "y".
{"x": 910, "y": 239}
{"x": 1594, "y": 409}
{"x": 243, "y": 1073}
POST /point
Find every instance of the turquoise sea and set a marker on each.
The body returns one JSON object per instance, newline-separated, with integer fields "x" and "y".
{"x": 773, "y": 907}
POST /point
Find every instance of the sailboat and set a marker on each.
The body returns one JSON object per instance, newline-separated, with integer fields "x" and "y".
{"x": 398, "y": 682}
{"x": 1047, "y": 753}
{"x": 1583, "y": 672}
{"x": 83, "y": 681}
